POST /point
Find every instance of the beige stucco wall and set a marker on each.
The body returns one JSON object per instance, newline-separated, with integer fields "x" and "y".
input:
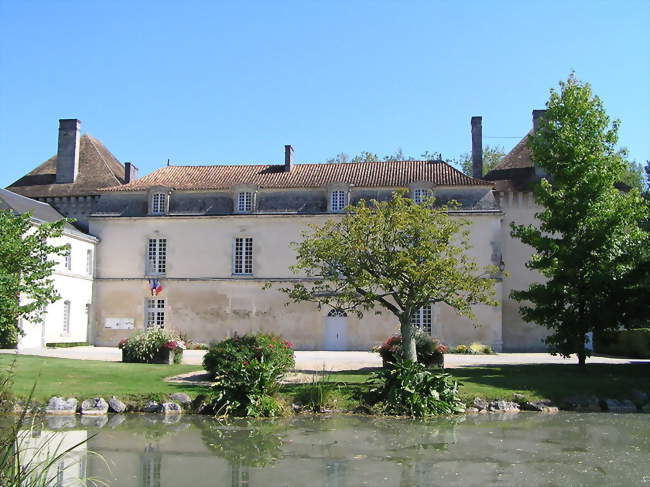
{"x": 207, "y": 302}
{"x": 518, "y": 336}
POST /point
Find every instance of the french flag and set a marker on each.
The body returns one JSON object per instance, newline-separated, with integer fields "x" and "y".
{"x": 156, "y": 287}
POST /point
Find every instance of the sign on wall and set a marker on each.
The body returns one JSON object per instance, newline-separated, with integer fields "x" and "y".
{"x": 119, "y": 323}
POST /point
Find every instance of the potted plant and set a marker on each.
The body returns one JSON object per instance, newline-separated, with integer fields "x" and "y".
{"x": 153, "y": 346}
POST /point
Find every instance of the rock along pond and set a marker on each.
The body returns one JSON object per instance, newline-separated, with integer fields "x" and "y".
{"x": 495, "y": 449}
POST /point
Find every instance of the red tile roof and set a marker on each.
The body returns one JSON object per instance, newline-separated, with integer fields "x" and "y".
{"x": 361, "y": 174}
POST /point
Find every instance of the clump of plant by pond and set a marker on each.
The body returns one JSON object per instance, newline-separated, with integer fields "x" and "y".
{"x": 247, "y": 371}
{"x": 153, "y": 346}
{"x": 406, "y": 388}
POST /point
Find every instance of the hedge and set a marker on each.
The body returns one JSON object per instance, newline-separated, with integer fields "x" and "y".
{"x": 629, "y": 343}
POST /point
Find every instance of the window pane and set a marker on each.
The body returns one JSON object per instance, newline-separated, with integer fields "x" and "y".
{"x": 157, "y": 256}
{"x": 66, "y": 317}
{"x": 338, "y": 200}
{"x": 158, "y": 203}
{"x": 243, "y": 256}
{"x": 245, "y": 202}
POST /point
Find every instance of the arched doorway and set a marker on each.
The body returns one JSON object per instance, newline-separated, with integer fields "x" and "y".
{"x": 336, "y": 330}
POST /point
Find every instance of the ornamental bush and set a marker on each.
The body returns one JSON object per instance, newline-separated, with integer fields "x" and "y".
{"x": 412, "y": 389}
{"x": 146, "y": 346}
{"x": 476, "y": 348}
{"x": 247, "y": 371}
{"x": 430, "y": 351}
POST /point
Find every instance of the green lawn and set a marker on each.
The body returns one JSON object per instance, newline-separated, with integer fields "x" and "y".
{"x": 547, "y": 381}
{"x": 83, "y": 379}
{"x": 86, "y": 378}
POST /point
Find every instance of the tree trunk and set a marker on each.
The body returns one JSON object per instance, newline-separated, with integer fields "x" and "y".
{"x": 408, "y": 340}
{"x": 581, "y": 352}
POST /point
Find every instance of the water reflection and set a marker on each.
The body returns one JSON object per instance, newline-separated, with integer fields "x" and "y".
{"x": 145, "y": 451}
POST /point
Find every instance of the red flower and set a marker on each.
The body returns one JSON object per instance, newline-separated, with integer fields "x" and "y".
{"x": 246, "y": 363}
{"x": 122, "y": 343}
{"x": 287, "y": 343}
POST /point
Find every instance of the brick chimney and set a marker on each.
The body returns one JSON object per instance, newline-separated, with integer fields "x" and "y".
{"x": 477, "y": 147}
{"x": 130, "y": 172}
{"x": 288, "y": 158}
{"x": 537, "y": 114}
{"x": 67, "y": 155}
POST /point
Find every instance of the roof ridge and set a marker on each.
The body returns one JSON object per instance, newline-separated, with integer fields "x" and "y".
{"x": 92, "y": 142}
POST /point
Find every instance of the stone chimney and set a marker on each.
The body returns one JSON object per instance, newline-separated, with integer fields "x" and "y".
{"x": 67, "y": 156}
{"x": 130, "y": 172}
{"x": 288, "y": 158}
{"x": 537, "y": 114}
{"x": 477, "y": 147}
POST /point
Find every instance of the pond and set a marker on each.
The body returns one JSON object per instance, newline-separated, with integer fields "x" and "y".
{"x": 526, "y": 448}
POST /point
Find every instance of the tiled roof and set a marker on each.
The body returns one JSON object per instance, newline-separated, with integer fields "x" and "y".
{"x": 98, "y": 168}
{"x": 519, "y": 157}
{"x": 361, "y": 174}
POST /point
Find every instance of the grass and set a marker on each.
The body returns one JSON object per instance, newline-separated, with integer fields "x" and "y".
{"x": 540, "y": 381}
{"x": 83, "y": 379}
{"x": 87, "y": 378}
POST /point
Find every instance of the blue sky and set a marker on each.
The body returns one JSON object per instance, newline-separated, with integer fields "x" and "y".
{"x": 232, "y": 82}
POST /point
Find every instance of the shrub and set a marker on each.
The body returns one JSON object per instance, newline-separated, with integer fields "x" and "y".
{"x": 146, "y": 345}
{"x": 430, "y": 351}
{"x": 411, "y": 389}
{"x": 476, "y": 348}
{"x": 247, "y": 371}
{"x": 630, "y": 343}
{"x": 319, "y": 394}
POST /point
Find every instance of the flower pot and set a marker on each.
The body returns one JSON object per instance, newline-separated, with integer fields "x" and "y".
{"x": 164, "y": 356}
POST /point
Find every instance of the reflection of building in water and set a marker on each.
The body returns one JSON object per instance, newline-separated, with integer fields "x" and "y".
{"x": 39, "y": 447}
{"x": 335, "y": 473}
{"x": 151, "y": 462}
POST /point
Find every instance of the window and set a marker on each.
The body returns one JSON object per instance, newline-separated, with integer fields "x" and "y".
{"x": 337, "y": 313}
{"x": 68, "y": 257}
{"x": 89, "y": 262}
{"x": 420, "y": 195}
{"x": 243, "y": 256}
{"x": 66, "y": 318}
{"x": 338, "y": 200}
{"x": 245, "y": 202}
{"x": 155, "y": 313}
{"x": 422, "y": 318}
{"x": 158, "y": 203}
{"x": 157, "y": 256}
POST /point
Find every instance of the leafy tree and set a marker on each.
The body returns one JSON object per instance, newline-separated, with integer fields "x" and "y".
{"x": 633, "y": 175}
{"x": 589, "y": 242}
{"x": 366, "y": 156}
{"x": 491, "y": 158}
{"x": 396, "y": 254}
{"x": 25, "y": 283}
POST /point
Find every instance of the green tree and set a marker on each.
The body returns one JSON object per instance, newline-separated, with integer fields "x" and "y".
{"x": 491, "y": 158}
{"x": 25, "y": 283}
{"x": 396, "y": 254}
{"x": 589, "y": 241}
{"x": 633, "y": 175}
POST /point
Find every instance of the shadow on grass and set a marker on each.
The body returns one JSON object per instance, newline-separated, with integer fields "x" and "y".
{"x": 555, "y": 381}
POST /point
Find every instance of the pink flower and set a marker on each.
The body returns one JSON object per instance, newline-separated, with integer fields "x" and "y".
{"x": 122, "y": 343}
{"x": 246, "y": 363}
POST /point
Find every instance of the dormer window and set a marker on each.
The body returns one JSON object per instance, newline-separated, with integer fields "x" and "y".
{"x": 245, "y": 202}
{"x": 338, "y": 200}
{"x": 158, "y": 203}
{"x": 420, "y": 195}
